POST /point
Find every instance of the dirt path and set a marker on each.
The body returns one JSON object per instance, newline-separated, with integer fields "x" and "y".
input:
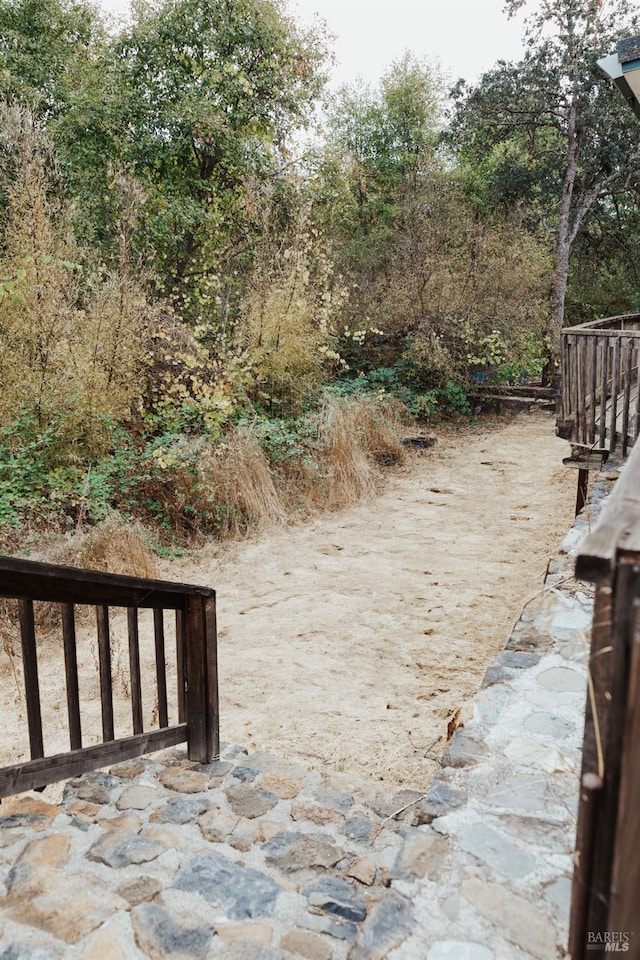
{"x": 352, "y": 639}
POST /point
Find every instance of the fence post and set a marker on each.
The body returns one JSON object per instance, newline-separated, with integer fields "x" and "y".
{"x": 203, "y": 737}
{"x": 625, "y": 886}
{"x": 213, "y": 713}
{"x": 31, "y": 685}
{"x": 601, "y": 860}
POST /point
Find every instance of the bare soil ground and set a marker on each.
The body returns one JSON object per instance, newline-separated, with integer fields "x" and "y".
{"x": 352, "y": 639}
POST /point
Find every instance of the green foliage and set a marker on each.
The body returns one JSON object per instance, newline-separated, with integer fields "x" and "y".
{"x": 447, "y": 401}
{"x": 552, "y": 140}
{"x": 208, "y": 91}
{"x": 288, "y": 438}
{"x": 42, "y": 40}
{"x": 505, "y": 360}
{"x": 33, "y": 481}
{"x": 290, "y": 312}
{"x": 388, "y": 132}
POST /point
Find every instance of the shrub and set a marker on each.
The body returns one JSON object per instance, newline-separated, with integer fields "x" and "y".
{"x": 186, "y": 390}
{"x": 288, "y": 316}
{"x": 349, "y": 471}
{"x": 117, "y": 545}
{"x": 450, "y": 400}
{"x": 238, "y": 480}
{"x": 355, "y": 436}
{"x": 189, "y": 485}
{"x": 67, "y": 352}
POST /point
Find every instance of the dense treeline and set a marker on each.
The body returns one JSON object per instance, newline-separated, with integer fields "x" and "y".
{"x": 199, "y": 300}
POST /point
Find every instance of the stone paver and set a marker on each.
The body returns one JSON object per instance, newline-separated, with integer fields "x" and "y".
{"x": 256, "y": 858}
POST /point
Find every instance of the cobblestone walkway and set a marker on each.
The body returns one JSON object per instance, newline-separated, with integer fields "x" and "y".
{"x": 257, "y": 858}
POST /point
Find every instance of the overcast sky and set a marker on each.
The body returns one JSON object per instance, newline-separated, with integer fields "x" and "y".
{"x": 467, "y": 36}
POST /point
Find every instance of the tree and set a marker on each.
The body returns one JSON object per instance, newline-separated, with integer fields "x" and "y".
{"x": 383, "y": 137}
{"x": 67, "y": 358}
{"x": 210, "y": 91}
{"x": 41, "y": 40}
{"x": 559, "y": 139}
{"x": 424, "y": 267}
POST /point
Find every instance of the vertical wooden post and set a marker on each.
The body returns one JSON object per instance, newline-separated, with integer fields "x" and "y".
{"x": 563, "y": 406}
{"x": 213, "y": 711}
{"x": 615, "y": 694}
{"x": 615, "y": 387}
{"x": 593, "y": 385}
{"x": 161, "y": 668}
{"x": 180, "y": 663}
{"x": 134, "y": 669}
{"x": 31, "y": 684}
{"x": 625, "y": 887}
{"x": 626, "y": 403}
{"x": 636, "y": 431}
{"x": 583, "y": 489}
{"x": 574, "y": 368}
{"x": 592, "y": 774}
{"x": 71, "y": 672}
{"x": 104, "y": 658}
{"x": 202, "y": 686}
{"x": 602, "y": 756}
{"x": 581, "y": 357}
{"x": 604, "y": 391}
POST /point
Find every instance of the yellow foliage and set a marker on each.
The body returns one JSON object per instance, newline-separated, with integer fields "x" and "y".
{"x": 356, "y": 436}
{"x": 290, "y": 312}
{"x": 58, "y": 361}
{"x": 184, "y": 388}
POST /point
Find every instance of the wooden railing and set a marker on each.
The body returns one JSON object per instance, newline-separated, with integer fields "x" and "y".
{"x": 606, "y": 887}
{"x": 196, "y": 667}
{"x": 600, "y": 384}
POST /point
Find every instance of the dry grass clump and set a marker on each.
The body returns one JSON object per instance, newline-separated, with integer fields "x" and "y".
{"x": 348, "y": 468}
{"x": 113, "y": 546}
{"x": 356, "y": 436}
{"x": 221, "y": 488}
{"x": 379, "y": 428}
{"x": 239, "y": 485}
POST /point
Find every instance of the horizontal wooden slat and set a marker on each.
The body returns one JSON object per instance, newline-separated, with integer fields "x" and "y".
{"x": 614, "y": 324}
{"x": 586, "y": 332}
{"x": 37, "y": 773}
{"x": 42, "y": 581}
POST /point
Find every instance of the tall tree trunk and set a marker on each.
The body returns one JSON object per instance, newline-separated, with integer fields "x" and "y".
{"x": 559, "y": 293}
{"x": 564, "y": 238}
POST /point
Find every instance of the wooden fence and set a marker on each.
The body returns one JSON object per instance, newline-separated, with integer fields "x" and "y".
{"x": 196, "y": 667}
{"x": 600, "y": 384}
{"x": 606, "y": 886}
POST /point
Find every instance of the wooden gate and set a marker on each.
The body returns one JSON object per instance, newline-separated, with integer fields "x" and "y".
{"x": 196, "y": 658}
